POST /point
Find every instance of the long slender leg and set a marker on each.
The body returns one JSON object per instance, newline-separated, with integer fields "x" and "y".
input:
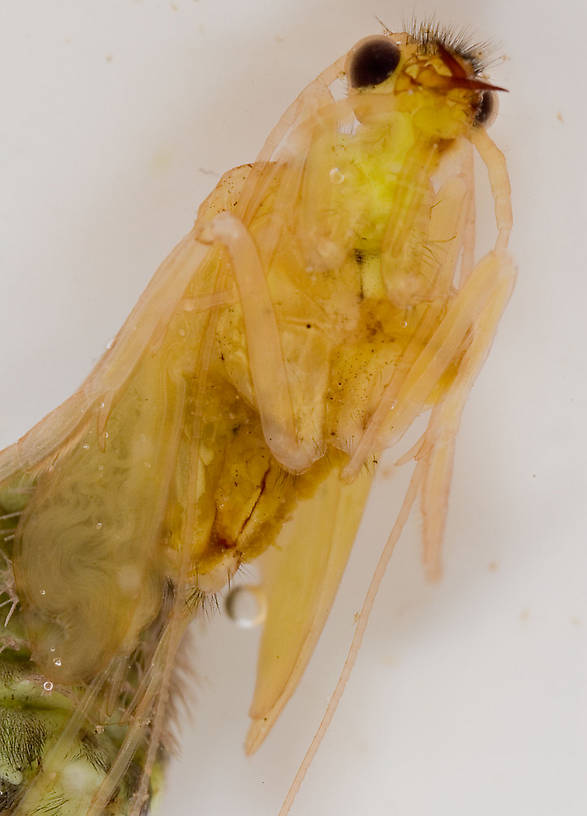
{"x": 398, "y": 408}
{"x": 267, "y": 365}
{"x": 439, "y": 447}
{"x": 499, "y": 180}
{"x": 434, "y": 466}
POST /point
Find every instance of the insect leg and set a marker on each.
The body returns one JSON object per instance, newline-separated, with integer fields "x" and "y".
{"x": 266, "y": 361}
{"x": 398, "y": 408}
{"x": 357, "y": 640}
{"x": 437, "y": 452}
{"x": 468, "y": 254}
{"x": 499, "y": 180}
{"x": 431, "y": 477}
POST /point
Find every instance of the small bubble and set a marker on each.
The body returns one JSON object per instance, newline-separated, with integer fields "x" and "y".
{"x": 43, "y": 592}
{"x": 246, "y": 606}
{"x": 336, "y": 177}
{"x": 106, "y": 434}
{"x": 57, "y": 661}
{"x": 48, "y": 685}
{"x": 85, "y": 446}
{"x": 99, "y": 525}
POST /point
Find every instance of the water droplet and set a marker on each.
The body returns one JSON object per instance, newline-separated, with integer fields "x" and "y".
{"x": 106, "y": 434}
{"x": 57, "y": 661}
{"x": 43, "y": 592}
{"x": 85, "y": 446}
{"x": 246, "y": 606}
{"x": 336, "y": 177}
{"x": 99, "y": 525}
{"x": 48, "y": 685}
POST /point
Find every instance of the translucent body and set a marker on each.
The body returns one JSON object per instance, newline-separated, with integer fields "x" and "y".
{"x": 324, "y": 299}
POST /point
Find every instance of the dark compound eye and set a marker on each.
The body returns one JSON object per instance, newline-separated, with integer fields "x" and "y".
{"x": 373, "y": 62}
{"x": 486, "y": 109}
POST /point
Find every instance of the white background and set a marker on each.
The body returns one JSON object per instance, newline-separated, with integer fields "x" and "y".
{"x": 469, "y": 696}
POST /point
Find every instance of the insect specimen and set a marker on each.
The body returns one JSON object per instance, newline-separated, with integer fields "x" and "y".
{"x": 326, "y": 297}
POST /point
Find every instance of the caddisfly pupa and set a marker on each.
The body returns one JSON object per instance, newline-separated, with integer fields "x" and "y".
{"x": 328, "y": 295}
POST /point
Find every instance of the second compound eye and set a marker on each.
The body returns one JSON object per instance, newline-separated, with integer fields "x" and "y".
{"x": 373, "y": 61}
{"x": 486, "y": 109}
